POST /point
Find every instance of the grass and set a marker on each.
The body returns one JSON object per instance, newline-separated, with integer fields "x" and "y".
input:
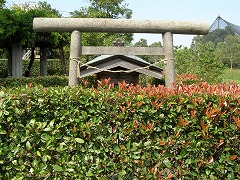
{"x": 232, "y": 75}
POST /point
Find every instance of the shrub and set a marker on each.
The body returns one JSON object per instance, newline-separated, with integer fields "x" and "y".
{"x": 187, "y": 132}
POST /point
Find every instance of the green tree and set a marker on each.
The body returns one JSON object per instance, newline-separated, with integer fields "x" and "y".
{"x": 141, "y": 43}
{"x": 156, "y": 58}
{"x": 216, "y": 36}
{"x": 229, "y": 51}
{"x": 47, "y": 8}
{"x": 199, "y": 59}
{"x": 16, "y": 26}
{"x": 104, "y": 9}
{"x": 2, "y": 3}
{"x": 150, "y": 58}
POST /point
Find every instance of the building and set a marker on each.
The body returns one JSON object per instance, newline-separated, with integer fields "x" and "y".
{"x": 119, "y": 68}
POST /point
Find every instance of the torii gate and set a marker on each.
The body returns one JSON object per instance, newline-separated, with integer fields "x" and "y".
{"x": 78, "y": 25}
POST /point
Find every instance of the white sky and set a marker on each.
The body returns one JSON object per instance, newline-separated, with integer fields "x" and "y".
{"x": 192, "y": 10}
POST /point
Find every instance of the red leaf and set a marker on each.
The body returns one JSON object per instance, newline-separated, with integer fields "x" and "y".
{"x": 148, "y": 127}
{"x": 135, "y": 124}
{"x": 123, "y": 109}
{"x": 128, "y": 104}
{"x": 210, "y": 160}
{"x": 161, "y": 143}
{"x": 232, "y": 157}
{"x": 237, "y": 121}
{"x": 87, "y": 124}
{"x": 30, "y": 84}
{"x": 114, "y": 129}
{"x": 193, "y": 113}
{"x": 182, "y": 122}
{"x": 88, "y": 137}
{"x": 220, "y": 142}
{"x": 139, "y": 103}
{"x": 203, "y": 126}
{"x": 210, "y": 112}
{"x": 74, "y": 129}
{"x": 170, "y": 176}
{"x": 185, "y": 145}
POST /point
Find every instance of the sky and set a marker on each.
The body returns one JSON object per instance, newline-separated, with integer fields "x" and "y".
{"x": 190, "y": 10}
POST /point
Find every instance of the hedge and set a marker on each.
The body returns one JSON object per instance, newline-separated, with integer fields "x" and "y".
{"x": 45, "y": 81}
{"x": 124, "y": 132}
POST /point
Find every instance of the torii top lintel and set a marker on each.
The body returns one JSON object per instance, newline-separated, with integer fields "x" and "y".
{"x": 119, "y": 25}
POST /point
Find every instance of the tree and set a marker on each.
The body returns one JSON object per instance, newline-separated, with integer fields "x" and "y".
{"x": 104, "y": 9}
{"x": 47, "y": 8}
{"x": 141, "y": 43}
{"x": 2, "y": 3}
{"x": 157, "y": 58}
{"x": 229, "y": 51}
{"x": 16, "y": 27}
{"x": 150, "y": 58}
{"x": 216, "y": 36}
{"x": 199, "y": 59}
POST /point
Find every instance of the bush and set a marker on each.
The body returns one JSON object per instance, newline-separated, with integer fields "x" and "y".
{"x": 188, "y": 132}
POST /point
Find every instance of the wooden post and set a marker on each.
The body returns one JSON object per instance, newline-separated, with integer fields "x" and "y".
{"x": 75, "y": 53}
{"x": 169, "y": 58}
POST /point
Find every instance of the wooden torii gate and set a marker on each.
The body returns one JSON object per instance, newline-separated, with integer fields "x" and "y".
{"x": 78, "y": 25}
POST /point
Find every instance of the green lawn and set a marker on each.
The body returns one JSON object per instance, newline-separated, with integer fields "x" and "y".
{"x": 231, "y": 75}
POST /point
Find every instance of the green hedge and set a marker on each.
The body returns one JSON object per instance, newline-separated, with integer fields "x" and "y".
{"x": 124, "y": 132}
{"x": 45, "y": 81}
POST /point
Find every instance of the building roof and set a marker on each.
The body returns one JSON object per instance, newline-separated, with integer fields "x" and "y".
{"x": 130, "y": 62}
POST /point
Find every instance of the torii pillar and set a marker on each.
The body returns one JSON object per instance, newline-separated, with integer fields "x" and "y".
{"x": 75, "y": 54}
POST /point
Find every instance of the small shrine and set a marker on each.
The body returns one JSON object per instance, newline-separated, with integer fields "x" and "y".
{"x": 119, "y": 68}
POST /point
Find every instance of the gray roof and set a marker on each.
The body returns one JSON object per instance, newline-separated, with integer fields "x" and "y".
{"x": 104, "y": 57}
{"x": 107, "y": 62}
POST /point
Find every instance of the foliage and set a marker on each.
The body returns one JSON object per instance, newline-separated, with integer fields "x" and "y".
{"x": 227, "y": 45}
{"x": 216, "y": 36}
{"x": 188, "y": 132}
{"x": 104, "y": 9}
{"x": 46, "y": 81}
{"x": 2, "y": 3}
{"x": 200, "y": 59}
{"x": 16, "y": 26}
{"x": 150, "y": 58}
{"x": 109, "y": 9}
{"x": 229, "y": 51}
{"x": 188, "y": 79}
